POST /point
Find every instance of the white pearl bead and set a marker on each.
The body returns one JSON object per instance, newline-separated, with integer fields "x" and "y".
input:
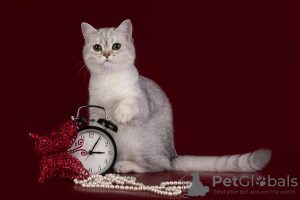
{"x": 172, "y": 188}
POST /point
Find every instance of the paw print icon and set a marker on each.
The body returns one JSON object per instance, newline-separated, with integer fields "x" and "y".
{"x": 261, "y": 181}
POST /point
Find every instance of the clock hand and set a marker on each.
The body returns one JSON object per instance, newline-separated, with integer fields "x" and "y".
{"x": 95, "y": 143}
{"x": 91, "y": 151}
{"x": 98, "y": 152}
{"x": 87, "y": 157}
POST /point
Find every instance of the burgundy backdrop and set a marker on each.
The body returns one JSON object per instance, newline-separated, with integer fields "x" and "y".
{"x": 230, "y": 69}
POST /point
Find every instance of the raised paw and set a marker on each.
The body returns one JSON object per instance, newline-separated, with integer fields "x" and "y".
{"x": 123, "y": 114}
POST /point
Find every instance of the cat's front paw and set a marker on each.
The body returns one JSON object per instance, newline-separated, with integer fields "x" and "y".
{"x": 123, "y": 114}
{"x": 129, "y": 167}
{"x": 118, "y": 166}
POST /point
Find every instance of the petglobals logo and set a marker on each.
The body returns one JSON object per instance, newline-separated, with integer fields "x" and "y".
{"x": 251, "y": 181}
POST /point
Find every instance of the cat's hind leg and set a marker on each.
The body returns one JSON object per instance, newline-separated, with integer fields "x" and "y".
{"x": 129, "y": 167}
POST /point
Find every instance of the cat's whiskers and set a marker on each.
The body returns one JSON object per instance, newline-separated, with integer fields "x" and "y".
{"x": 77, "y": 65}
{"x": 138, "y": 66}
{"x": 84, "y": 76}
{"x": 79, "y": 71}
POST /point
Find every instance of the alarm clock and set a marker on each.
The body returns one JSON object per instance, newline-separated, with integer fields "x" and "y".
{"x": 94, "y": 146}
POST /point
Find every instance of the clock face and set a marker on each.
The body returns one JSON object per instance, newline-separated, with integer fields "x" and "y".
{"x": 95, "y": 149}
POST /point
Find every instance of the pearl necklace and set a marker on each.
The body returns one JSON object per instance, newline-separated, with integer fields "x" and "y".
{"x": 117, "y": 182}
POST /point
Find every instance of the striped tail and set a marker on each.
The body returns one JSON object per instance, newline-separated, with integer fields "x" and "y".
{"x": 249, "y": 162}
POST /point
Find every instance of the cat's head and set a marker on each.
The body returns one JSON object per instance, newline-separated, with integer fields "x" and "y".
{"x": 108, "y": 49}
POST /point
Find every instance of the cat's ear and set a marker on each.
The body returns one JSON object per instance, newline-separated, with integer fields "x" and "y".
{"x": 125, "y": 28}
{"x": 87, "y": 30}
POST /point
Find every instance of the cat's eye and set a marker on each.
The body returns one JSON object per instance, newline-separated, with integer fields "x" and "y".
{"x": 97, "y": 47}
{"x": 116, "y": 46}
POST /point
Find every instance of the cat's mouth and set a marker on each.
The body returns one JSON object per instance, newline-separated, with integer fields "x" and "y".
{"x": 107, "y": 61}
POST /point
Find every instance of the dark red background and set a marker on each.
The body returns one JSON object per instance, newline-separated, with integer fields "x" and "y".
{"x": 230, "y": 69}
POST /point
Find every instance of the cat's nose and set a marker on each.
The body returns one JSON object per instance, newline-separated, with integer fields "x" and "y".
{"x": 106, "y": 54}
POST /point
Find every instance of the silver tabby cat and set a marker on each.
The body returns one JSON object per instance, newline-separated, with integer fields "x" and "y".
{"x": 142, "y": 111}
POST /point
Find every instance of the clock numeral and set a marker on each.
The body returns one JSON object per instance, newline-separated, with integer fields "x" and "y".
{"x": 99, "y": 168}
{"x": 82, "y": 137}
{"x": 91, "y": 135}
{"x": 90, "y": 170}
{"x": 105, "y": 161}
{"x": 110, "y": 153}
{"x": 76, "y": 144}
{"x": 106, "y": 144}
